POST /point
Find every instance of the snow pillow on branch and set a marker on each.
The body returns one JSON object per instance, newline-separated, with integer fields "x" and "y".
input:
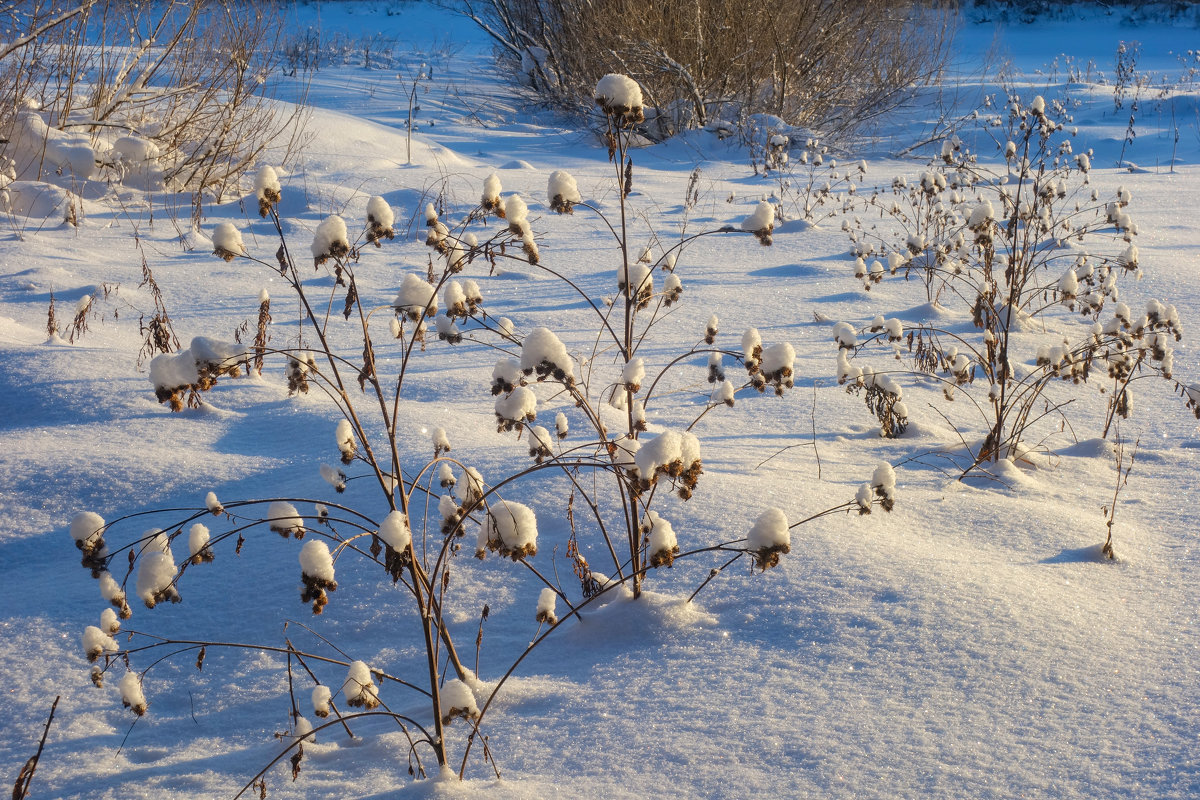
{"x": 416, "y": 298}
{"x": 620, "y": 98}
{"x": 769, "y": 538}
{"x": 267, "y": 189}
{"x": 380, "y": 221}
{"x": 563, "y": 192}
{"x": 544, "y": 353}
{"x": 316, "y": 573}
{"x": 227, "y": 242}
{"x": 761, "y": 223}
{"x": 509, "y": 529}
{"x": 330, "y": 240}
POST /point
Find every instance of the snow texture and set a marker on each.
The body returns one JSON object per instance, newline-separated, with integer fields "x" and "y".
{"x": 395, "y": 532}
{"x": 316, "y": 561}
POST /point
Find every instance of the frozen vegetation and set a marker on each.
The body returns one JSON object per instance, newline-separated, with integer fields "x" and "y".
{"x": 992, "y": 447}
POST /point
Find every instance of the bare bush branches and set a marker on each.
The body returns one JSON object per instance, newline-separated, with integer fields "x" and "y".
{"x": 828, "y": 66}
{"x": 173, "y": 90}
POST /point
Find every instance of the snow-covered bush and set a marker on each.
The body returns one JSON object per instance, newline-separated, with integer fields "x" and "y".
{"x": 1025, "y": 249}
{"x": 629, "y": 451}
{"x": 828, "y": 65}
{"x": 158, "y": 107}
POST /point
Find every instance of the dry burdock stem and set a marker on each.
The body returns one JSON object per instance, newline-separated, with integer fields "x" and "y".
{"x": 996, "y": 240}
{"x": 408, "y": 536}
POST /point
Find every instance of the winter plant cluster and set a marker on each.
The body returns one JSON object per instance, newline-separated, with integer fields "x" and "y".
{"x": 591, "y": 412}
{"x": 1036, "y": 258}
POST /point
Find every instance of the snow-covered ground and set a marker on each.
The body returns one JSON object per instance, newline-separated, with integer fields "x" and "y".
{"x": 972, "y": 643}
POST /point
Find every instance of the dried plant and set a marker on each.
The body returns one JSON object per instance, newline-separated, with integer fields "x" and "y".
{"x": 411, "y": 534}
{"x": 1015, "y": 247}
{"x": 831, "y": 67}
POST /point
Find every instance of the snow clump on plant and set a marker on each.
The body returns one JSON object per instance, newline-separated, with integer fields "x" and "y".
{"x": 547, "y": 601}
{"x": 620, "y": 97}
{"x": 330, "y": 240}
{"x": 662, "y": 544}
{"x": 267, "y": 189}
{"x": 416, "y": 298}
{"x": 227, "y": 241}
{"x": 563, "y": 192}
{"x": 156, "y": 579}
{"x": 360, "y": 690}
{"x": 347, "y": 446}
{"x": 761, "y": 223}
{"x": 881, "y": 486}
{"x": 458, "y": 701}
{"x": 87, "y": 529}
{"x": 321, "y": 698}
{"x": 509, "y": 529}
{"x": 515, "y": 409}
{"x": 380, "y": 220}
{"x": 284, "y": 519}
{"x": 97, "y": 642}
{"x": 768, "y": 538}
{"x": 317, "y": 574}
{"x": 675, "y": 455}
{"x": 198, "y": 550}
{"x": 544, "y": 353}
{"x": 132, "y": 696}
{"x": 490, "y": 200}
{"x": 395, "y": 532}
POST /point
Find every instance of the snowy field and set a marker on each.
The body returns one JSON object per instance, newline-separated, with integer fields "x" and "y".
{"x": 973, "y": 643}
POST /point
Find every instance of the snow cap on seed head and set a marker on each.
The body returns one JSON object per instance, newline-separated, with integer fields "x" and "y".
{"x": 620, "y": 97}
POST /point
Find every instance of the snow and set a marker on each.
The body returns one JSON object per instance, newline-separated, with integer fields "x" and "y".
{"x": 490, "y": 199}
{"x": 267, "y": 189}
{"x": 87, "y": 528}
{"x": 330, "y": 239}
{"x": 321, "y": 696}
{"x": 156, "y": 572}
{"x": 415, "y": 298}
{"x": 763, "y": 218}
{"x": 316, "y": 561}
{"x": 344, "y": 436}
{"x": 547, "y": 601}
{"x": 633, "y": 374}
{"x": 97, "y": 642}
{"x": 662, "y": 546}
{"x": 394, "y": 531}
{"x": 543, "y": 352}
{"x": 562, "y": 191}
{"x": 516, "y": 408}
{"x": 132, "y": 696}
{"x": 359, "y": 688}
{"x": 510, "y": 529}
{"x": 618, "y": 95}
{"x": 458, "y": 701}
{"x": 198, "y": 538}
{"x": 284, "y": 519}
{"x": 227, "y": 241}
{"x": 769, "y": 530}
{"x": 380, "y": 216}
{"x": 972, "y": 643}
{"x": 334, "y": 477}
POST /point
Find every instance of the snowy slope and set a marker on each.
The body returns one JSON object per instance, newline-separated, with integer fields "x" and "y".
{"x": 972, "y": 643}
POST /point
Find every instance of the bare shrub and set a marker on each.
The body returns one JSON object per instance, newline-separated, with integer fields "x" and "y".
{"x": 1027, "y": 248}
{"x": 828, "y": 65}
{"x": 600, "y": 394}
{"x": 171, "y": 92}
